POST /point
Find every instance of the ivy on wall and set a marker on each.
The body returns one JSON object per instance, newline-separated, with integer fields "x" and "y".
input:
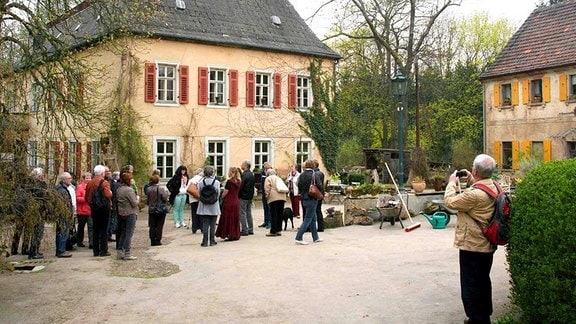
{"x": 321, "y": 120}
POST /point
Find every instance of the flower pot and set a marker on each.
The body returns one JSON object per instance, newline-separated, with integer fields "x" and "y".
{"x": 418, "y": 187}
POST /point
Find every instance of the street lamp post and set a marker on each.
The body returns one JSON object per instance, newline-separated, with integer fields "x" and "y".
{"x": 399, "y": 83}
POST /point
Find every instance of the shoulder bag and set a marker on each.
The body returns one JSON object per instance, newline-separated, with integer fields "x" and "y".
{"x": 314, "y": 192}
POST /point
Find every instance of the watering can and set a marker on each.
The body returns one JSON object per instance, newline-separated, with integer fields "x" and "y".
{"x": 438, "y": 220}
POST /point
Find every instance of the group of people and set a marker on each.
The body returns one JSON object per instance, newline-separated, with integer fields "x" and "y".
{"x": 234, "y": 206}
{"x": 104, "y": 202}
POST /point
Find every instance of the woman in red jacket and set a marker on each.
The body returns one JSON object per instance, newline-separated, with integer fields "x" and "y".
{"x": 83, "y": 210}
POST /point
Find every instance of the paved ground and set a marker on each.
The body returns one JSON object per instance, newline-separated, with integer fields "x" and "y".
{"x": 359, "y": 274}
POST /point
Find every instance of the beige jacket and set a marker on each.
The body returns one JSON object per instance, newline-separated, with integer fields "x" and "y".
{"x": 474, "y": 207}
{"x": 272, "y": 193}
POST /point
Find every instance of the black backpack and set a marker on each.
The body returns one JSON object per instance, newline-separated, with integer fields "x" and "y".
{"x": 498, "y": 228}
{"x": 208, "y": 194}
{"x": 99, "y": 201}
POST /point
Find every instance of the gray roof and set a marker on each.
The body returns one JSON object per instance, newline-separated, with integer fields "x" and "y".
{"x": 235, "y": 23}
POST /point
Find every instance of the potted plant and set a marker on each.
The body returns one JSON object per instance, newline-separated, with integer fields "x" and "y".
{"x": 438, "y": 182}
{"x": 537, "y": 99}
{"x": 507, "y": 102}
{"x": 418, "y": 184}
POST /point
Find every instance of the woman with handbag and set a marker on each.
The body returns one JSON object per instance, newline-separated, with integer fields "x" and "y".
{"x": 275, "y": 191}
{"x": 309, "y": 184}
{"x": 157, "y": 209}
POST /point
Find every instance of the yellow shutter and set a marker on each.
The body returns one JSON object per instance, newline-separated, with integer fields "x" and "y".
{"x": 547, "y": 150}
{"x": 497, "y": 154}
{"x": 515, "y": 97}
{"x": 562, "y": 83}
{"x": 525, "y": 92}
{"x": 546, "y": 89}
{"x": 515, "y": 155}
{"x": 497, "y": 95}
{"x": 526, "y": 149}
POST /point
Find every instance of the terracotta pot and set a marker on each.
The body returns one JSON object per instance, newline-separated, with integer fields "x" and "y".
{"x": 418, "y": 187}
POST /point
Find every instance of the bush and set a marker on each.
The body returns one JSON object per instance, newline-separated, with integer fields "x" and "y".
{"x": 355, "y": 177}
{"x": 542, "y": 244}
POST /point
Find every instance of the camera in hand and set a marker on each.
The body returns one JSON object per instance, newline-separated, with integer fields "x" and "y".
{"x": 461, "y": 173}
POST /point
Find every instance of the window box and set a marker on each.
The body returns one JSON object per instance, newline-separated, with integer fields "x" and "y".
{"x": 507, "y": 102}
{"x": 537, "y": 100}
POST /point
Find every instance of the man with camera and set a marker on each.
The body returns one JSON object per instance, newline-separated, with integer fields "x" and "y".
{"x": 476, "y": 253}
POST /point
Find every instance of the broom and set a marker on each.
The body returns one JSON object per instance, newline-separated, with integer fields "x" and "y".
{"x": 414, "y": 225}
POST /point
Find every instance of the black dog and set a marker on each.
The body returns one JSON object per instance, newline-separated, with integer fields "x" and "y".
{"x": 287, "y": 214}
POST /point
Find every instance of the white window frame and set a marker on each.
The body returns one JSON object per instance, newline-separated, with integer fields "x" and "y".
{"x": 260, "y": 87}
{"x": 270, "y": 154}
{"x": 298, "y": 156}
{"x": 35, "y": 97}
{"x": 224, "y": 83}
{"x": 71, "y": 157}
{"x": 225, "y": 155}
{"x": 304, "y": 95}
{"x": 164, "y": 91}
{"x": 176, "y": 154}
{"x": 32, "y": 148}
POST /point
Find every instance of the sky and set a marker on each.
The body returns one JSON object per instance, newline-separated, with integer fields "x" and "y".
{"x": 515, "y": 10}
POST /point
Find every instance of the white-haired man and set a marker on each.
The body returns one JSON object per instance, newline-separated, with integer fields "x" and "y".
{"x": 100, "y": 215}
{"x": 63, "y": 223}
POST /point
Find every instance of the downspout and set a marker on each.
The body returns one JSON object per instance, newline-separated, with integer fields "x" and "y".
{"x": 484, "y": 137}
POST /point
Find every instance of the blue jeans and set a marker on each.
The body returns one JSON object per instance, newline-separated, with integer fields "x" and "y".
{"x": 267, "y": 213}
{"x": 62, "y": 232}
{"x": 309, "y": 206}
{"x": 246, "y": 221}
{"x": 126, "y": 236}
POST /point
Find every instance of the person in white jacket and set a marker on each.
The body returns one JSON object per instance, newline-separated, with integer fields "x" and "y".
{"x": 196, "y": 220}
{"x": 293, "y": 187}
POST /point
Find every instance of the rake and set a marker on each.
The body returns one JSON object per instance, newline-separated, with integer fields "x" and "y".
{"x": 414, "y": 225}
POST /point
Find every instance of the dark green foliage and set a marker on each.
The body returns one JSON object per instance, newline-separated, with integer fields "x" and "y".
{"x": 355, "y": 177}
{"x": 542, "y": 244}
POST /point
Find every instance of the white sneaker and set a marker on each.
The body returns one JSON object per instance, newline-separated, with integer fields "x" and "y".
{"x": 184, "y": 225}
{"x": 319, "y": 240}
{"x": 177, "y": 225}
{"x": 301, "y": 242}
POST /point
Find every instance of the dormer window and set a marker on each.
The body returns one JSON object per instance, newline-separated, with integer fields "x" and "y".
{"x": 180, "y": 4}
{"x": 78, "y": 27}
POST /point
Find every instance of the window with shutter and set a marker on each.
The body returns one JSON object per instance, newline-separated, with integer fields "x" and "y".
{"x": 184, "y": 84}
{"x": 292, "y": 95}
{"x": 262, "y": 88}
{"x": 167, "y": 83}
{"x": 233, "y": 87}
{"x": 217, "y": 94}
{"x": 149, "y": 82}
{"x": 202, "y": 85}
{"x": 250, "y": 89}
{"x": 277, "y": 90}
{"x": 304, "y": 92}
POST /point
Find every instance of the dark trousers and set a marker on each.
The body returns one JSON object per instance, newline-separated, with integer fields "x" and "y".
{"x": 120, "y": 228}
{"x": 319, "y": 217}
{"x": 100, "y": 221}
{"x": 196, "y": 219}
{"x": 84, "y": 220}
{"x": 276, "y": 211}
{"x": 475, "y": 284}
{"x": 129, "y": 224}
{"x": 156, "y": 225}
{"x": 208, "y": 228}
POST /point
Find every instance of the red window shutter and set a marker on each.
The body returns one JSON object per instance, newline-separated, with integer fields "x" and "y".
{"x": 57, "y": 157}
{"x": 250, "y": 89}
{"x": 202, "y": 85}
{"x": 184, "y": 84}
{"x": 233, "y": 88}
{"x": 277, "y": 90}
{"x": 292, "y": 91}
{"x": 65, "y": 156}
{"x": 78, "y": 160}
{"x": 89, "y": 155}
{"x": 150, "y": 82}
{"x": 47, "y": 159}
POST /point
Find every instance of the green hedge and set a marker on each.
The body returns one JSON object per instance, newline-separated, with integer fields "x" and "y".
{"x": 542, "y": 245}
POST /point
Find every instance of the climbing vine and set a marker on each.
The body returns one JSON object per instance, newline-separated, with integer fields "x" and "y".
{"x": 127, "y": 141}
{"x": 321, "y": 120}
